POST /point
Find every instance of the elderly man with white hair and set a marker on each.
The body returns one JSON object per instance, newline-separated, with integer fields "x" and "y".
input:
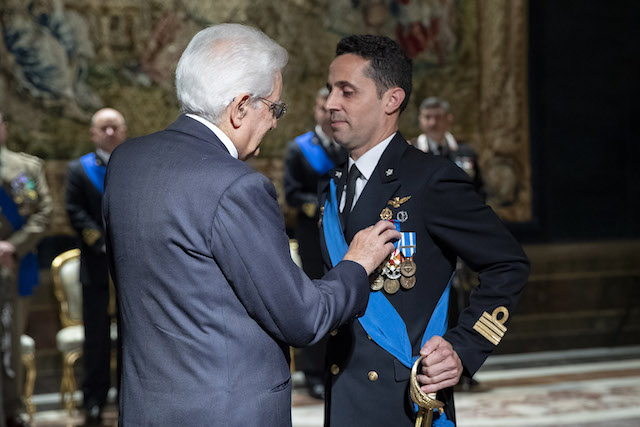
{"x": 209, "y": 297}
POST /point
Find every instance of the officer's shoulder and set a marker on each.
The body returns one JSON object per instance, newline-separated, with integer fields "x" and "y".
{"x": 415, "y": 158}
{"x": 24, "y": 158}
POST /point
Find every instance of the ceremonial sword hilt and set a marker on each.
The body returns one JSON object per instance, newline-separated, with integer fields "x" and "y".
{"x": 426, "y": 401}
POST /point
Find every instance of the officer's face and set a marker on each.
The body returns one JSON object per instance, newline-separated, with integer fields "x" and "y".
{"x": 357, "y": 114}
{"x": 434, "y": 122}
{"x": 108, "y": 129}
{"x": 322, "y": 115}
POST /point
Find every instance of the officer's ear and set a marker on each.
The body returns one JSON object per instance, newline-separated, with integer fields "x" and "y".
{"x": 238, "y": 109}
{"x": 393, "y": 99}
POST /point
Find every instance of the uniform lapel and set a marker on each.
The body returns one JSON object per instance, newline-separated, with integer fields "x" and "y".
{"x": 382, "y": 185}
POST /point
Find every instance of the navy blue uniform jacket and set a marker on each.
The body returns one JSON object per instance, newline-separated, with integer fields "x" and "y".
{"x": 209, "y": 296}
{"x": 450, "y": 220}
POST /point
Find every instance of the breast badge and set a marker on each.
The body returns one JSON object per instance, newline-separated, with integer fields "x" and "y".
{"x": 397, "y": 201}
{"x": 386, "y": 214}
{"x": 402, "y": 216}
{"x": 491, "y": 327}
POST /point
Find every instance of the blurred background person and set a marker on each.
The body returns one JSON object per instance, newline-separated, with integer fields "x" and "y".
{"x": 435, "y": 119}
{"x": 25, "y": 210}
{"x": 85, "y": 187}
{"x": 309, "y": 156}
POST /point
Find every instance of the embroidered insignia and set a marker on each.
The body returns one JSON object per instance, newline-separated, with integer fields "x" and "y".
{"x": 389, "y": 172}
{"x": 402, "y": 216}
{"x": 491, "y": 327}
{"x": 338, "y": 174}
{"x": 386, "y": 214}
{"x": 397, "y": 201}
{"x": 23, "y": 189}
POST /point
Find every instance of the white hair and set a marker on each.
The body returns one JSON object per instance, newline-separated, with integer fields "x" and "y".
{"x": 223, "y": 61}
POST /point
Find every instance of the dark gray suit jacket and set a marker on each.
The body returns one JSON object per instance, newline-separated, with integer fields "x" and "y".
{"x": 209, "y": 296}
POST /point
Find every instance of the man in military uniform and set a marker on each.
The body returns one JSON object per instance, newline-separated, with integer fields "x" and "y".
{"x": 435, "y": 120}
{"x": 440, "y": 216}
{"x": 309, "y": 156}
{"x": 84, "y": 207}
{"x": 25, "y": 209}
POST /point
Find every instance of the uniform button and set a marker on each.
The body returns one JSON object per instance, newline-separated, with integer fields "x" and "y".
{"x": 335, "y": 369}
{"x": 333, "y": 333}
{"x": 369, "y": 336}
{"x": 373, "y": 375}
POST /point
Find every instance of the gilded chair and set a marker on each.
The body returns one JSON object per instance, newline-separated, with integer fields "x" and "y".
{"x": 65, "y": 269}
{"x": 28, "y": 347}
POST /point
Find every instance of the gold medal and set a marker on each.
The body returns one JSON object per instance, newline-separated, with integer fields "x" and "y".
{"x": 377, "y": 283}
{"x": 386, "y": 214}
{"x": 391, "y": 286}
{"x": 408, "y": 282}
{"x": 408, "y": 267}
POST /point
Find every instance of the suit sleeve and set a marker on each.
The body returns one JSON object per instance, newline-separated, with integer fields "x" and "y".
{"x": 77, "y": 205}
{"x": 249, "y": 243}
{"x": 461, "y": 223}
{"x": 26, "y": 239}
{"x": 294, "y": 176}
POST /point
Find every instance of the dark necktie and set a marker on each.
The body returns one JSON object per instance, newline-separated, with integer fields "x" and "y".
{"x": 354, "y": 174}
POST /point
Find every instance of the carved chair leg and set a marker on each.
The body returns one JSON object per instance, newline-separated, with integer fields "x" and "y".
{"x": 29, "y": 361}
{"x": 68, "y": 384}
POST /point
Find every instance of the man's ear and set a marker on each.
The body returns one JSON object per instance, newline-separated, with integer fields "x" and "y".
{"x": 238, "y": 109}
{"x": 394, "y": 97}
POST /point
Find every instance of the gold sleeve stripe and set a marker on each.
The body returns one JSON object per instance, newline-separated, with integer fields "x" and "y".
{"x": 492, "y": 328}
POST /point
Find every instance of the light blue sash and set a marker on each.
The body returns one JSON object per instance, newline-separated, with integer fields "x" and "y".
{"x": 315, "y": 155}
{"x": 381, "y": 321}
{"x": 28, "y": 277}
{"x": 94, "y": 171}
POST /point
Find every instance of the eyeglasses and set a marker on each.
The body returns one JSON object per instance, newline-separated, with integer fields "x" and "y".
{"x": 277, "y": 108}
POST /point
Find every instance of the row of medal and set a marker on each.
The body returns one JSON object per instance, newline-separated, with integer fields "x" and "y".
{"x": 395, "y": 272}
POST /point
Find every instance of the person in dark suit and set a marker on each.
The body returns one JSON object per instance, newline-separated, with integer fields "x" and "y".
{"x": 85, "y": 186}
{"x": 435, "y": 120}
{"x": 209, "y": 296}
{"x": 436, "y": 208}
{"x": 309, "y": 156}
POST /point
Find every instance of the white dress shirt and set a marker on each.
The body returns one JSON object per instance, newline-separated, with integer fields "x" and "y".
{"x": 366, "y": 164}
{"x": 216, "y": 130}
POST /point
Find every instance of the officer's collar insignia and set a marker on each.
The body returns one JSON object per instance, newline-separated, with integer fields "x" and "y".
{"x": 338, "y": 174}
{"x": 389, "y": 172}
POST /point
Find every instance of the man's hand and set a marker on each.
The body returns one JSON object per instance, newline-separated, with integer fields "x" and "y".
{"x": 441, "y": 368}
{"x": 6, "y": 254}
{"x": 372, "y": 245}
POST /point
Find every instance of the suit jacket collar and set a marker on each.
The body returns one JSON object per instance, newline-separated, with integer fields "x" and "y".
{"x": 196, "y": 129}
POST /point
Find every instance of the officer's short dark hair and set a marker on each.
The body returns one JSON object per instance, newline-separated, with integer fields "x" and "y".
{"x": 390, "y": 66}
{"x": 433, "y": 102}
